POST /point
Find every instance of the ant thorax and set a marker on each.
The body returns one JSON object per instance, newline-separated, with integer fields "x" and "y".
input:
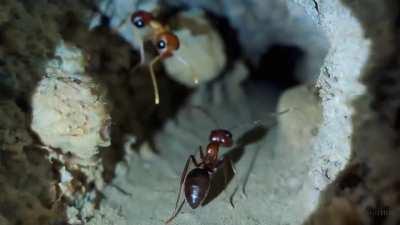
{"x": 211, "y": 153}
{"x": 157, "y": 27}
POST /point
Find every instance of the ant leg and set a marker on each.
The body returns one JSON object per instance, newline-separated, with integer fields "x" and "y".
{"x": 228, "y": 166}
{"x": 175, "y": 213}
{"x": 153, "y": 79}
{"x": 183, "y": 176}
{"x": 194, "y": 161}
{"x": 251, "y": 167}
{"x": 201, "y": 154}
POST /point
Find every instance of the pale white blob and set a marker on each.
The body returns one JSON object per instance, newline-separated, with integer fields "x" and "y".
{"x": 201, "y": 53}
{"x": 69, "y": 112}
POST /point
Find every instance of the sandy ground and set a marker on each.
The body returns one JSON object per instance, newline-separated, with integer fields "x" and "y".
{"x": 289, "y": 162}
{"x": 146, "y": 185}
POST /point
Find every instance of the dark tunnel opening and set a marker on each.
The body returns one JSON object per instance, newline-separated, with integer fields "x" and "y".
{"x": 278, "y": 66}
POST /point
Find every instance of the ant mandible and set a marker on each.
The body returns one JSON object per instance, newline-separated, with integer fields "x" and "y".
{"x": 196, "y": 182}
{"x": 165, "y": 42}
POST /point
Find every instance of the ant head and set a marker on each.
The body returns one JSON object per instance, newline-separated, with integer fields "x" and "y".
{"x": 166, "y": 43}
{"x": 141, "y": 18}
{"x": 222, "y": 137}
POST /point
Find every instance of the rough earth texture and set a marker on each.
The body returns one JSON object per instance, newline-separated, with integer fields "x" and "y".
{"x": 331, "y": 159}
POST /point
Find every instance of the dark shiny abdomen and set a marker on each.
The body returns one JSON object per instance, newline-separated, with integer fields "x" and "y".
{"x": 196, "y": 186}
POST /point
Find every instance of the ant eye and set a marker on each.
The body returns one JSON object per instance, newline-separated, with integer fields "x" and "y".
{"x": 166, "y": 43}
{"x": 161, "y": 44}
{"x": 141, "y": 18}
{"x": 138, "y": 22}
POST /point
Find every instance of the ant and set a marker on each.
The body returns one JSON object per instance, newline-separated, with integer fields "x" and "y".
{"x": 196, "y": 182}
{"x": 164, "y": 40}
{"x": 146, "y": 27}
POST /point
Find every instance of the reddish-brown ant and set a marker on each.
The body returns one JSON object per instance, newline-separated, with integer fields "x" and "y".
{"x": 196, "y": 182}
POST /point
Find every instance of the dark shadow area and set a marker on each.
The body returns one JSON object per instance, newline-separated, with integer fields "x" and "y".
{"x": 230, "y": 38}
{"x": 278, "y": 65}
{"x": 113, "y": 63}
{"x": 218, "y": 180}
{"x": 27, "y": 182}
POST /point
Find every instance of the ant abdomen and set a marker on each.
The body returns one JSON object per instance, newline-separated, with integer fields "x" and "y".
{"x": 197, "y": 184}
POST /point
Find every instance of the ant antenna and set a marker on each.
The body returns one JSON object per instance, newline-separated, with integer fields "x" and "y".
{"x": 259, "y": 121}
{"x": 153, "y": 79}
{"x": 254, "y": 123}
{"x": 206, "y": 113}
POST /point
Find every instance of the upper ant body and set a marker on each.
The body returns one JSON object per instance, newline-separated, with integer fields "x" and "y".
{"x": 147, "y": 27}
{"x": 164, "y": 41}
{"x": 196, "y": 182}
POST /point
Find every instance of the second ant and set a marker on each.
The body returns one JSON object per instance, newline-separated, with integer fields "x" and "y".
{"x": 162, "y": 39}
